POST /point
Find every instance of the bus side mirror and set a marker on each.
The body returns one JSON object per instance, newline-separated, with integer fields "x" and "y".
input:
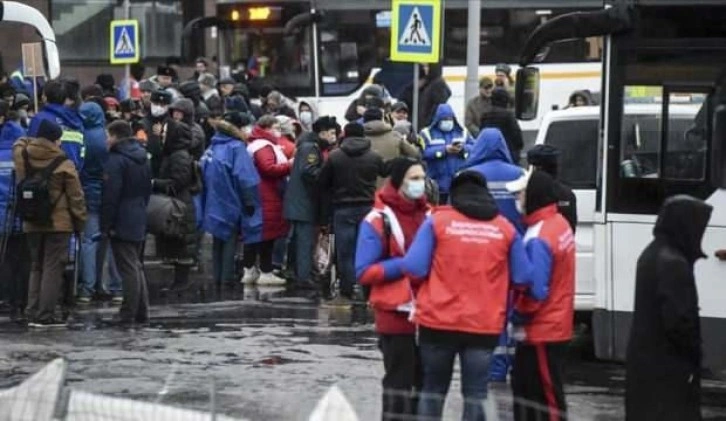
{"x": 526, "y": 93}
{"x": 718, "y": 147}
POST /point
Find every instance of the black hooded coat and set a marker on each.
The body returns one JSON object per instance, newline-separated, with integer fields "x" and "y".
{"x": 664, "y": 353}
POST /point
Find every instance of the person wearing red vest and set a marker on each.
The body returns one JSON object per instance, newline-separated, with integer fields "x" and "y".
{"x": 543, "y": 314}
{"x": 384, "y": 236}
{"x": 465, "y": 255}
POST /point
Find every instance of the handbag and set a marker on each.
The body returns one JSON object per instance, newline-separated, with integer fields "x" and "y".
{"x": 165, "y": 216}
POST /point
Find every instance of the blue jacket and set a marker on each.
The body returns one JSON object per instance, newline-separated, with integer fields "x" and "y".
{"x": 69, "y": 119}
{"x": 442, "y": 166}
{"x": 11, "y": 131}
{"x": 230, "y": 186}
{"x": 490, "y": 157}
{"x": 126, "y": 191}
{"x": 94, "y": 124}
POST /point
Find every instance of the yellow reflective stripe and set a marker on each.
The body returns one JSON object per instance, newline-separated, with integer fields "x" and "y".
{"x": 72, "y": 136}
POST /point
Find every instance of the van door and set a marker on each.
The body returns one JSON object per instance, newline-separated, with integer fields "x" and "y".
{"x": 577, "y": 142}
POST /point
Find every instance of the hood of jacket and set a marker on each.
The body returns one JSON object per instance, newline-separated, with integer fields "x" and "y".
{"x": 186, "y": 106}
{"x": 540, "y": 192}
{"x": 355, "y": 146}
{"x": 377, "y": 128}
{"x": 178, "y": 137}
{"x": 228, "y": 129}
{"x": 69, "y": 116}
{"x": 131, "y": 149}
{"x": 221, "y": 138}
{"x": 92, "y": 115}
{"x": 470, "y": 195}
{"x": 489, "y": 146}
{"x": 445, "y": 111}
{"x": 681, "y": 222}
{"x": 10, "y": 132}
{"x": 313, "y": 108}
{"x": 40, "y": 151}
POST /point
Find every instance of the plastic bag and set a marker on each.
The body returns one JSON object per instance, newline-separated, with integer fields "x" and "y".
{"x": 323, "y": 253}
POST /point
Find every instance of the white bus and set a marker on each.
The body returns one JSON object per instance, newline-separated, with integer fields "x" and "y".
{"x": 11, "y": 11}
{"x": 666, "y": 50}
{"x": 326, "y": 51}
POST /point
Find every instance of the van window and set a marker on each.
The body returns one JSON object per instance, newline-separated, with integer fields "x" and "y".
{"x": 577, "y": 142}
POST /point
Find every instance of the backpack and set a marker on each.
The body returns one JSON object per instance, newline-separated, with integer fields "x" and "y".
{"x": 33, "y": 202}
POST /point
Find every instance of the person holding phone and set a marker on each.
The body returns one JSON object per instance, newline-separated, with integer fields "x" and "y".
{"x": 446, "y": 145}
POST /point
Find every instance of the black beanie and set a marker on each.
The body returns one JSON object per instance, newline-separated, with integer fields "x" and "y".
{"x": 49, "y": 130}
{"x": 500, "y": 97}
{"x": 540, "y": 192}
{"x": 397, "y": 168}
{"x": 372, "y": 114}
{"x": 324, "y": 123}
{"x": 353, "y": 130}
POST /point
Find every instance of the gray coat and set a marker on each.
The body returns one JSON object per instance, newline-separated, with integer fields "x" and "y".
{"x": 302, "y": 195}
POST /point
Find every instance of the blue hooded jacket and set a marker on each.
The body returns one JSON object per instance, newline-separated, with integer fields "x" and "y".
{"x": 94, "y": 161}
{"x": 230, "y": 186}
{"x": 69, "y": 119}
{"x": 490, "y": 157}
{"x": 11, "y": 131}
{"x": 442, "y": 166}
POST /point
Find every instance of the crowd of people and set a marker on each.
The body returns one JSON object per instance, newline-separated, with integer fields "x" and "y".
{"x": 457, "y": 248}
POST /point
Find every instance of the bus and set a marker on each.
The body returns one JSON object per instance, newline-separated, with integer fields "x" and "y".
{"x": 666, "y": 52}
{"x": 11, "y": 11}
{"x": 326, "y": 51}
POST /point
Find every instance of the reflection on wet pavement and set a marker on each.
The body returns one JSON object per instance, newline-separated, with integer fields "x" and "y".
{"x": 270, "y": 355}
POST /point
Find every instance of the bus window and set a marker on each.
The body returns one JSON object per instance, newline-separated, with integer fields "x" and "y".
{"x": 640, "y": 133}
{"x": 686, "y": 145}
{"x": 270, "y": 55}
{"x": 577, "y": 141}
{"x": 348, "y": 49}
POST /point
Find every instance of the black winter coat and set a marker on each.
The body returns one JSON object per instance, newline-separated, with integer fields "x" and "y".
{"x": 664, "y": 353}
{"x": 302, "y": 195}
{"x": 350, "y": 173}
{"x": 504, "y": 120}
{"x": 175, "y": 178}
{"x": 431, "y": 95}
{"x": 126, "y": 191}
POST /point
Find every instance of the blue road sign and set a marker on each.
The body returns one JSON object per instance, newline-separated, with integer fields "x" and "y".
{"x": 416, "y": 31}
{"x": 125, "y": 42}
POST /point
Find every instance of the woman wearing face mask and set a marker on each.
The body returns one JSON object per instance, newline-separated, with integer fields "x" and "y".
{"x": 446, "y": 144}
{"x": 274, "y": 168}
{"x": 385, "y": 235}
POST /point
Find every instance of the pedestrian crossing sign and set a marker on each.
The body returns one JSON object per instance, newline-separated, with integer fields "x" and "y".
{"x": 416, "y": 31}
{"x": 125, "y": 42}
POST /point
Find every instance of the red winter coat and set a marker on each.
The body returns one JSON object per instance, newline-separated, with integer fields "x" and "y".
{"x": 273, "y": 170}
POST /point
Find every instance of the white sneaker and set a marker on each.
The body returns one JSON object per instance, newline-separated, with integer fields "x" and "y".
{"x": 271, "y": 279}
{"x": 251, "y": 276}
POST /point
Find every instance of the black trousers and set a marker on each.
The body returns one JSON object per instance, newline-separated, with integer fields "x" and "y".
{"x": 538, "y": 383}
{"x": 15, "y": 271}
{"x": 135, "y": 306}
{"x": 262, "y": 250}
{"x": 402, "y": 381}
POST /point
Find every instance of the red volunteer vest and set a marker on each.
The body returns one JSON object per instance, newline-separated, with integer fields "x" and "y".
{"x": 468, "y": 284}
{"x": 392, "y": 295}
{"x": 552, "y": 320}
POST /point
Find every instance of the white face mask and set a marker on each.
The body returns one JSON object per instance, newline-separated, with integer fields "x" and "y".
{"x": 158, "y": 110}
{"x": 446, "y": 125}
{"x": 415, "y": 189}
{"x": 306, "y": 117}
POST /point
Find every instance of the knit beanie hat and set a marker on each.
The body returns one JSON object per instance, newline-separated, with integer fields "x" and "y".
{"x": 49, "y": 130}
{"x": 353, "y": 130}
{"x": 398, "y": 167}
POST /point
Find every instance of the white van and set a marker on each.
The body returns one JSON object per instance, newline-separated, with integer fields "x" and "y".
{"x": 575, "y": 133}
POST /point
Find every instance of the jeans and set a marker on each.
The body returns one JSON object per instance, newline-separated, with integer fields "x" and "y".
{"x": 263, "y": 251}
{"x": 92, "y": 264}
{"x": 279, "y": 251}
{"x": 223, "y": 263}
{"x": 135, "y": 306}
{"x": 304, "y": 246}
{"x": 402, "y": 381}
{"x": 48, "y": 257}
{"x": 345, "y": 228}
{"x": 437, "y": 361}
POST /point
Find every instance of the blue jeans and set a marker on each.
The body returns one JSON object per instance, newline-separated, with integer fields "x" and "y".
{"x": 223, "y": 263}
{"x": 92, "y": 264}
{"x": 345, "y": 228}
{"x": 437, "y": 361}
{"x": 303, "y": 235}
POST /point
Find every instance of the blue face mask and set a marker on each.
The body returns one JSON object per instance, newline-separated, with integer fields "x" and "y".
{"x": 415, "y": 189}
{"x": 446, "y": 125}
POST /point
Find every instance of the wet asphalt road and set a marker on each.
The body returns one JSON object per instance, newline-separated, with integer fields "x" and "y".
{"x": 269, "y": 357}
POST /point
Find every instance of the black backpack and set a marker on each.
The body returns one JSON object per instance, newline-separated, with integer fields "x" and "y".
{"x": 33, "y": 202}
